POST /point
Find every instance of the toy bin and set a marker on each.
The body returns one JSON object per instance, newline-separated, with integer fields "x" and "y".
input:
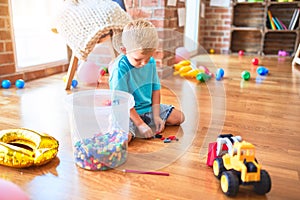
{"x": 99, "y": 123}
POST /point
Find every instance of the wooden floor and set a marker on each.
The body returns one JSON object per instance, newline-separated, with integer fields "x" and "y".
{"x": 264, "y": 111}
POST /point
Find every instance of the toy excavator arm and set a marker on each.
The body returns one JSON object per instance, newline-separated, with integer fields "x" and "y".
{"x": 228, "y": 140}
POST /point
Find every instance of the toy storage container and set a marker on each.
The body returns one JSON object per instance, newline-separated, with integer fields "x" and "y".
{"x": 99, "y": 123}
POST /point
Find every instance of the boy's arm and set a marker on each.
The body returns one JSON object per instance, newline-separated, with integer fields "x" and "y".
{"x": 143, "y": 128}
{"x": 159, "y": 123}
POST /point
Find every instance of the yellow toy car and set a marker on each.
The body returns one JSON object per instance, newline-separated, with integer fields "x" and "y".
{"x": 239, "y": 166}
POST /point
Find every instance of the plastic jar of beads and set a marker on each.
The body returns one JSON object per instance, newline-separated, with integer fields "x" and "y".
{"x": 99, "y": 123}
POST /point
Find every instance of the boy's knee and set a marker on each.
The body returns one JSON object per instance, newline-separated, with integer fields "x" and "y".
{"x": 181, "y": 118}
{"x": 176, "y": 119}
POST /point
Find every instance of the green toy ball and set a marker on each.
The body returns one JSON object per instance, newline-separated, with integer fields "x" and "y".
{"x": 245, "y": 75}
{"x": 202, "y": 77}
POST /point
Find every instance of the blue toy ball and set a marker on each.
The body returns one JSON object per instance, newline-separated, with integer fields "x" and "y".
{"x": 219, "y": 74}
{"x": 74, "y": 83}
{"x": 261, "y": 70}
{"x": 6, "y": 84}
{"x": 20, "y": 83}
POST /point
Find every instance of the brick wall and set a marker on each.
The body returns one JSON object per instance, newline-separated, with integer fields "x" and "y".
{"x": 7, "y": 64}
{"x": 217, "y": 28}
{"x": 165, "y": 18}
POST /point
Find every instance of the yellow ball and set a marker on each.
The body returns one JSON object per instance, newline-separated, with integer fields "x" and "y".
{"x": 65, "y": 78}
{"x": 211, "y": 51}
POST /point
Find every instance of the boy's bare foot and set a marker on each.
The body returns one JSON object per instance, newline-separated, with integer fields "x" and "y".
{"x": 130, "y": 137}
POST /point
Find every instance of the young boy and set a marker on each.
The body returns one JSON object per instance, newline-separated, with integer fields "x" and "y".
{"x": 134, "y": 72}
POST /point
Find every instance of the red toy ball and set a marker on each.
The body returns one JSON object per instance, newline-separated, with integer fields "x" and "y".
{"x": 11, "y": 191}
{"x": 241, "y": 52}
{"x": 255, "y": 61}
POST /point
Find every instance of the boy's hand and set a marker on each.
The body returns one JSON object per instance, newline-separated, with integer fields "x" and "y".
{"x": 145, "y": 130}
{"x": 159, "y": 124}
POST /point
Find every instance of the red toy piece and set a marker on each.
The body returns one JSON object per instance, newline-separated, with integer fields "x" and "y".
{"x": 241, "y": 52}
{"x": 102, "y": 72}
{"x": 212, "y": 153}
{"x": 222, "y": 146}
{"x": 172, "y": 137}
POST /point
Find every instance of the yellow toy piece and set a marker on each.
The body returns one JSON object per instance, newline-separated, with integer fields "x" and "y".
{"x": 192, "y": 73}
{"x": 181, "y": 64}
{"x": 239, "y": 166}
{"x": 24, "y": 147}
{"x": 183, "y": 69}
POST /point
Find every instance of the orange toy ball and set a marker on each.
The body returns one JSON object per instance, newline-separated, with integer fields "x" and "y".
{"x": 10, "y": 191}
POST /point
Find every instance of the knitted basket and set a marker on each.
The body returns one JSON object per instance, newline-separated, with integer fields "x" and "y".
{"x": 82, "y": 23}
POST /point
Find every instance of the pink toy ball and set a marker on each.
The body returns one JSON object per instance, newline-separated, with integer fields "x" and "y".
{"x": 241, "y": 52}
{"x": 283, "y": 53}
{"x": 255, "y": 61}
{"x": 88, "y": 72}
{"x": 10, "y": 191}
{"x": 181, "y": 53}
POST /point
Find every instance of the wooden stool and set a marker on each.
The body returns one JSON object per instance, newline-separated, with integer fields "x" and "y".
{"x": 85, "y": 23}
{"x": 74, "y": 61}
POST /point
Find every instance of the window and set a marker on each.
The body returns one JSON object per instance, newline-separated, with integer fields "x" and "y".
{"x": 35, "y": 43}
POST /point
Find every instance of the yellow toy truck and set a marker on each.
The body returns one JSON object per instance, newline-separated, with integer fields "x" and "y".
{"x": 239, "y": 166}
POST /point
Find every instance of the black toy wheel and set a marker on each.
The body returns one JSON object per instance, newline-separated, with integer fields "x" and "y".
{"x": 218, "y": 167}
{"x": 264, "y": 185}
{"x": 230, "y": 183}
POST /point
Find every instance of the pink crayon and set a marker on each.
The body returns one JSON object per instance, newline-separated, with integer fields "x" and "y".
{"x": 146, "y": 172}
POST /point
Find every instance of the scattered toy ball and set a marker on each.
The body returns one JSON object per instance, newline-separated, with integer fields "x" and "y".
{"x": 261, "y": 70}
{"x": 11, "y": 191}
{"x": 245, "y": 75}
{"x": 74, "y": 83}
{"x": 6, "y": 84}
{"x": 283, "y": 53}
{"x": 241, "y": 52}
{"x": 255, "y": 61}
{"x": 219, "y": 74}
{"x": 20, "y": 83}
{"x": 202, "y": 77}
{"x": 211, "y": 51}
{"x": 65, "y": 78}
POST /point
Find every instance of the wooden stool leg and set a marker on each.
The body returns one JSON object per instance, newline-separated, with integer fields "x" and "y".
{"x": 71, "y": 71}
{"x": 296, "y": 59}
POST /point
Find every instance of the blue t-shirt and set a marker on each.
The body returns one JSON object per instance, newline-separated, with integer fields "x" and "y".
{"x": 140, "y": 82}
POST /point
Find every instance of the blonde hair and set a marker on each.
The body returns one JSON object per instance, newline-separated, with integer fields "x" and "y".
{"x": 140, "y": 34}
